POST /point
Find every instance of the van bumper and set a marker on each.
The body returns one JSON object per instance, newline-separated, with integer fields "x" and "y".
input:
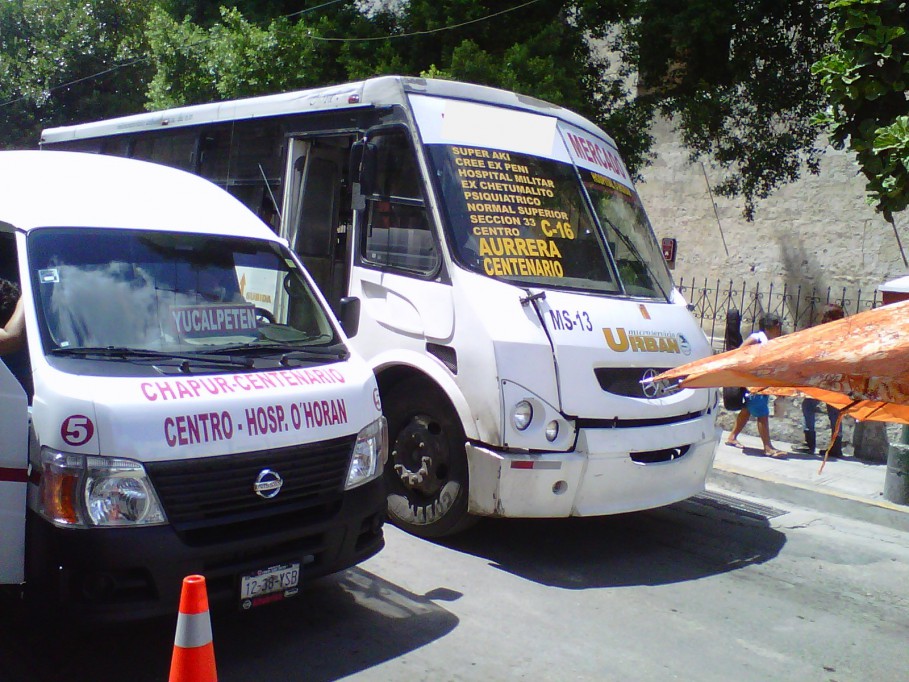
{"x": 610, "y": 471}
{"x": 120, "y": 574}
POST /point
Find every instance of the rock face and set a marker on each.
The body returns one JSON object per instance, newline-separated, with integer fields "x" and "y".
{"x": 818, "y": 232}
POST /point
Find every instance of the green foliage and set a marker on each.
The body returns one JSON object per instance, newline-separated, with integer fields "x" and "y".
{"x": 48, "y": 51}
{"x": 866, "y": 81}
{"x": 735, "y": 76}
{"x": 242, "y": 54}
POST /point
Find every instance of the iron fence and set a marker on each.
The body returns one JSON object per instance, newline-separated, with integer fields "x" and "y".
{"x": 798, "y": 307}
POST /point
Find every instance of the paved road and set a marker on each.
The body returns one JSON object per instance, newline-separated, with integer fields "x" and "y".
{"x": 710, "y": 590}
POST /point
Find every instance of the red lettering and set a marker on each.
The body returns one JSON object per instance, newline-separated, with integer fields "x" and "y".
{"x": 147, "y": 392}
{"x": 165, "y": 390}
{"x": 169, "y": 432}
{"x": 223, "y": 385}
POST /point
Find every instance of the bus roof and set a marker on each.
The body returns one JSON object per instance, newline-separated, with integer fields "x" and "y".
{"x": 71, "y": 189}
{"x": 385, "y": 90}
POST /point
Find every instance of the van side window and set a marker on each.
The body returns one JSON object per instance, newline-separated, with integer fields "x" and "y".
{"x": 398, "y": 231}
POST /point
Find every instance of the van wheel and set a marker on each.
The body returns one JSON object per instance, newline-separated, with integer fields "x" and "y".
{"x": 426, "y": 473}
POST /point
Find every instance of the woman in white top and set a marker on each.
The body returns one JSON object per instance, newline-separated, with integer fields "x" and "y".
{"x": 758, "y": 405}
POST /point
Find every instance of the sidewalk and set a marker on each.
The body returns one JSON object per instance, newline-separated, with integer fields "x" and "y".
{"x": 846, "y": 487}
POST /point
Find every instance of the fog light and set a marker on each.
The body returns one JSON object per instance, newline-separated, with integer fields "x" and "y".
{"x": 552, "y": 430}
{"x": 522, "y": 415}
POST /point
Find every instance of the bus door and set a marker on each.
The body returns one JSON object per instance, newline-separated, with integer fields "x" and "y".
{"x": 317, "y": 217}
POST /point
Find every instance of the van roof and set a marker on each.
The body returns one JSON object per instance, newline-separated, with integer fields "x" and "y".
{"x": 72, "y": 189}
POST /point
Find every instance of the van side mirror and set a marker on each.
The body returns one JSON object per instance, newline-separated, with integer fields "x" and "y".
{"x": 362, "y": 172}
{"x": 349, "y": 316}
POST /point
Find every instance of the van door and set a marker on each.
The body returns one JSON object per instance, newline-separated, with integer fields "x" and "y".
{"x": 318, "y": 215}
{"x": 13, "y": 476}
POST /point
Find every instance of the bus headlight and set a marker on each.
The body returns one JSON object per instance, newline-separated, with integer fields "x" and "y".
{"x": 79, "y": 491}
{"x": 522, "y": 415}
{"x": 369, "y": 455}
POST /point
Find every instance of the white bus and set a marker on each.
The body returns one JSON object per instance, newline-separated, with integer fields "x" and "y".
{"x": 508, "y": 288}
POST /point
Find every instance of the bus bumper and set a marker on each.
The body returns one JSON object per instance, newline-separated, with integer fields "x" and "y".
{"x": 609, "y": 472}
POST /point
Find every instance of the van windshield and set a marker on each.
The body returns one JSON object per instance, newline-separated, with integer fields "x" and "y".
{"x": 526, "y": 219}
{"x": 170, "y": 292}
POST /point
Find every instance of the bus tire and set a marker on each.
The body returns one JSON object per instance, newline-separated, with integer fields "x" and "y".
{"x": 426, "y": 475}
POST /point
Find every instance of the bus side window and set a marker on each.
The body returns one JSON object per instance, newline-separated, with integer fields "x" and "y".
{"x": 398, "y": 231}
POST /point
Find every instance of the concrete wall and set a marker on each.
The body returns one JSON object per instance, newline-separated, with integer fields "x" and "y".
{"x": 817, "y": 232}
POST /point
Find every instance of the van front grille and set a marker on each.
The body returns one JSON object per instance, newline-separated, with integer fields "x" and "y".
{"x": 211, "y": 491}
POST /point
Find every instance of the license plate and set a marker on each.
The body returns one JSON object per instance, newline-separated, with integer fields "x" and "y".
{"x": 269, "y": 584}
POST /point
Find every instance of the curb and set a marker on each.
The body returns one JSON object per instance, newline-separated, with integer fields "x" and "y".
{"x": 880, "y": 512}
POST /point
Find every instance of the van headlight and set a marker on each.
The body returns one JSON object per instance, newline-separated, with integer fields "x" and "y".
{"x": 90, "y": 491}
{"x": 369, "y": 455}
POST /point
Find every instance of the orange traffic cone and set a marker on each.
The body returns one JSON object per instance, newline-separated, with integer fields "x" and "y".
{"x": 194, "y": 652}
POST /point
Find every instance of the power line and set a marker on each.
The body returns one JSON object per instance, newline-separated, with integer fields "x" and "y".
{"x": 428, "y": 31}
{"x": 139, "y": 60}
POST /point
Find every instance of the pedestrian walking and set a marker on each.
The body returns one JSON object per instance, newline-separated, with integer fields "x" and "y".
{"x": 809, "y": 405}
{"x": 758, "y": 405}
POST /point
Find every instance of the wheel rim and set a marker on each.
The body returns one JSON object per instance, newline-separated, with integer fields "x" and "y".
{"x": 421, "y": 458}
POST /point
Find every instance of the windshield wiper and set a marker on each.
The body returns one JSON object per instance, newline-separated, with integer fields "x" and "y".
{"x": 288, "y": 351}
{"x": 126, "y": 353}
{"x": 627, "y": 242}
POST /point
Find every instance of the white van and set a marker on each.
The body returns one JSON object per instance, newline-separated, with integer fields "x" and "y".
{"x": 185, "y": 402}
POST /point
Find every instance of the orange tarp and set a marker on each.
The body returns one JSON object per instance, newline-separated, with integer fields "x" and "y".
{"x": 859, "y": 364}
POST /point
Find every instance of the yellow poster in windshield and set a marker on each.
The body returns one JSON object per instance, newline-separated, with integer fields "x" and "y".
{"x": 511, "y": 213}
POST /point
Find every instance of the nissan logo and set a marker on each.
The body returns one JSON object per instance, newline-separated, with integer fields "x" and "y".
{"x": 648, "y": 386}
{"x": 268, "y": 484}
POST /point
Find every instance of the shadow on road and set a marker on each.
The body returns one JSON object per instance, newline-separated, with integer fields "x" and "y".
{"x": 338, "y": 626}
{"x": 685, "y": 541}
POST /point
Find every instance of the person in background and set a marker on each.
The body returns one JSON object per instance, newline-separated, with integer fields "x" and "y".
{"x": 758, "y": 405}
{"x": 12, "y": 317}
{"x": 733, "y": 396}
{"x": 733, "y": 334}
{"x": 831, "y": 312}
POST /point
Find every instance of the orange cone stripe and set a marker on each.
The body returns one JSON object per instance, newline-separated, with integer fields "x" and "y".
{"x": 193, "y": 630}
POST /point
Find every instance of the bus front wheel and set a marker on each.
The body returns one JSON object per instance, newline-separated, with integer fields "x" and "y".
{"x": 426, "y": 473}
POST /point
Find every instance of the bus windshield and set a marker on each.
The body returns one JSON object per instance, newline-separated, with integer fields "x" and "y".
{"x": 525, "y": 219}
{"x": 109, "y": 289}
{"x": 638, "y": 258}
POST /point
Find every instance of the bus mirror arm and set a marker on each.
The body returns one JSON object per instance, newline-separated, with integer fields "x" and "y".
{"x": 349, "y": 316}
{"x": 362, "y": 172}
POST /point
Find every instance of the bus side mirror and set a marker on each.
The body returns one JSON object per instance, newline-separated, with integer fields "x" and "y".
{"x": 350, "y": 315}
{"x": 362, "y": 172}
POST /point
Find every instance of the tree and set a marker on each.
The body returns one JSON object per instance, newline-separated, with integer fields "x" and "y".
{"x": 56, "y": 64}
{"x": 538, "y": 49}
{"x": 735, "y": 76}
{"x": 866, "y": 81}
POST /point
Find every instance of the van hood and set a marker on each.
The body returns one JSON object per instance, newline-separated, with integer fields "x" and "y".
{"x": 166, "y": 418}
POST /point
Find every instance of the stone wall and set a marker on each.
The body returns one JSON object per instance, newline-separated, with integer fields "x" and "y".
{"x": 818, "y": 232}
